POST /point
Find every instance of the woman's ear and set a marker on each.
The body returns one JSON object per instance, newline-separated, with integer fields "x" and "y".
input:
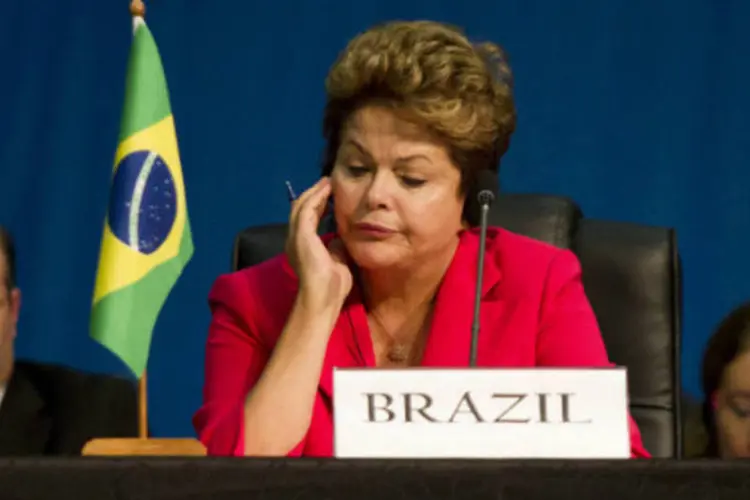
{"x": 328, "y": 221}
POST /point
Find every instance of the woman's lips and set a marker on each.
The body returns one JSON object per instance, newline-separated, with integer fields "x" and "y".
{"x": 373, "y": 229}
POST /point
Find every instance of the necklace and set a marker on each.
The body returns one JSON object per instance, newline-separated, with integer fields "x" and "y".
{"x": 398, "y": 353}
{"x": 402, "y": 352}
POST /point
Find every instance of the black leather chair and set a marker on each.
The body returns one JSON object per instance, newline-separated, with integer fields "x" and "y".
{"x": 632, "y": 277}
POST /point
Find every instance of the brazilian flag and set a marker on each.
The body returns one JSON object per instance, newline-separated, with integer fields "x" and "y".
{"x": 147, "y": 240}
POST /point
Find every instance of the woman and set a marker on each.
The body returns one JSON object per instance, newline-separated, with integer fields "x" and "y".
{"x": 414, "y": 111}
{"x": 726, "y": 385}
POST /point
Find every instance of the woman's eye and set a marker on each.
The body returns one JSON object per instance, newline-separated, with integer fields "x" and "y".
{"x": 357, "y": 171}
{"x": 412, "y": 182}
{"x": 740, "y": 412}
{"x": 741, "y": 408}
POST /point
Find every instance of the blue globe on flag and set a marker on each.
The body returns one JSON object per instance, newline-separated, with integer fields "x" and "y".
{"x": 143, "y": 202}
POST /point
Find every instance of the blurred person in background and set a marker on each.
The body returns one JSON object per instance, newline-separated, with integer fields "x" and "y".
{"x": 47, "y": 409}
{"x": 724, "y": 428}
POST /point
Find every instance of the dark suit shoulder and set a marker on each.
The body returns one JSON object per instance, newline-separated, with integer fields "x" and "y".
{"x": 58, "y": 382}
{"x": 81, "y": 405}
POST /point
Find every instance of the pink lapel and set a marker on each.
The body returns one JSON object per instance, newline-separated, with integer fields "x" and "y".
{"x": 450, "y": 335}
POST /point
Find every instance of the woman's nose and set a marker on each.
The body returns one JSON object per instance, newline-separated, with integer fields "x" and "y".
{"x": 378, "y": 193}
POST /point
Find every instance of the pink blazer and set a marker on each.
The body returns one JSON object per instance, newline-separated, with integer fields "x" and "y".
{"x": 534, "y": 312}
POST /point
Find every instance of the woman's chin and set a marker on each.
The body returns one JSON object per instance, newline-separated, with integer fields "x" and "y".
{"x": 372, "y": 255}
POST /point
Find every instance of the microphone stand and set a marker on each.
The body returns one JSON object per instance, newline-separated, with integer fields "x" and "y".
{"x": 485, "y": 198}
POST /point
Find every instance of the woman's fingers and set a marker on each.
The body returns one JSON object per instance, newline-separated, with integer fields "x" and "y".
{"x": 300, "y": 202}
{"x": 311, "y": 210}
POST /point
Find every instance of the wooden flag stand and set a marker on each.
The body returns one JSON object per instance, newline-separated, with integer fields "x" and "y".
{"x": 143, "y": 445}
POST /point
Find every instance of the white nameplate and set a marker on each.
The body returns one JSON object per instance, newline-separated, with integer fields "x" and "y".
{"x": 481, "y": 413}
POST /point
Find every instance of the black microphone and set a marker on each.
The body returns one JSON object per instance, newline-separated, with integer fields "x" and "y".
{"x": 484, "y": 191}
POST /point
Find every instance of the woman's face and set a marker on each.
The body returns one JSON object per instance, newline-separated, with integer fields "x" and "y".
{"x": 396, "y": 192}
{"x": 733, "y": 409}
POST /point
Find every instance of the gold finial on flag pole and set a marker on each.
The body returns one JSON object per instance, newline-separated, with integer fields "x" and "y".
{"x": 137, "y": 8}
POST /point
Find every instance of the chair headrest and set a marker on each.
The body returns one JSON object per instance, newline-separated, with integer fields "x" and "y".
{"x": 552, "y": 219}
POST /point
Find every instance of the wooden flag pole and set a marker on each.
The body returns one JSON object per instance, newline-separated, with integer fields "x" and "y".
{"x": 142, "y": 408}
{"x": 142, "y": 445}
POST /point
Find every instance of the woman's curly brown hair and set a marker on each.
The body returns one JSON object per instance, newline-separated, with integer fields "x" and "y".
{"x": 433, "y": 74}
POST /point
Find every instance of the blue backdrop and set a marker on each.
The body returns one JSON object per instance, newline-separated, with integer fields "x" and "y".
{"x": 638, "y": 109}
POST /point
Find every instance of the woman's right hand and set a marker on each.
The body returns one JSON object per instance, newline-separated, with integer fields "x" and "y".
{"x": 324, "y": 277}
